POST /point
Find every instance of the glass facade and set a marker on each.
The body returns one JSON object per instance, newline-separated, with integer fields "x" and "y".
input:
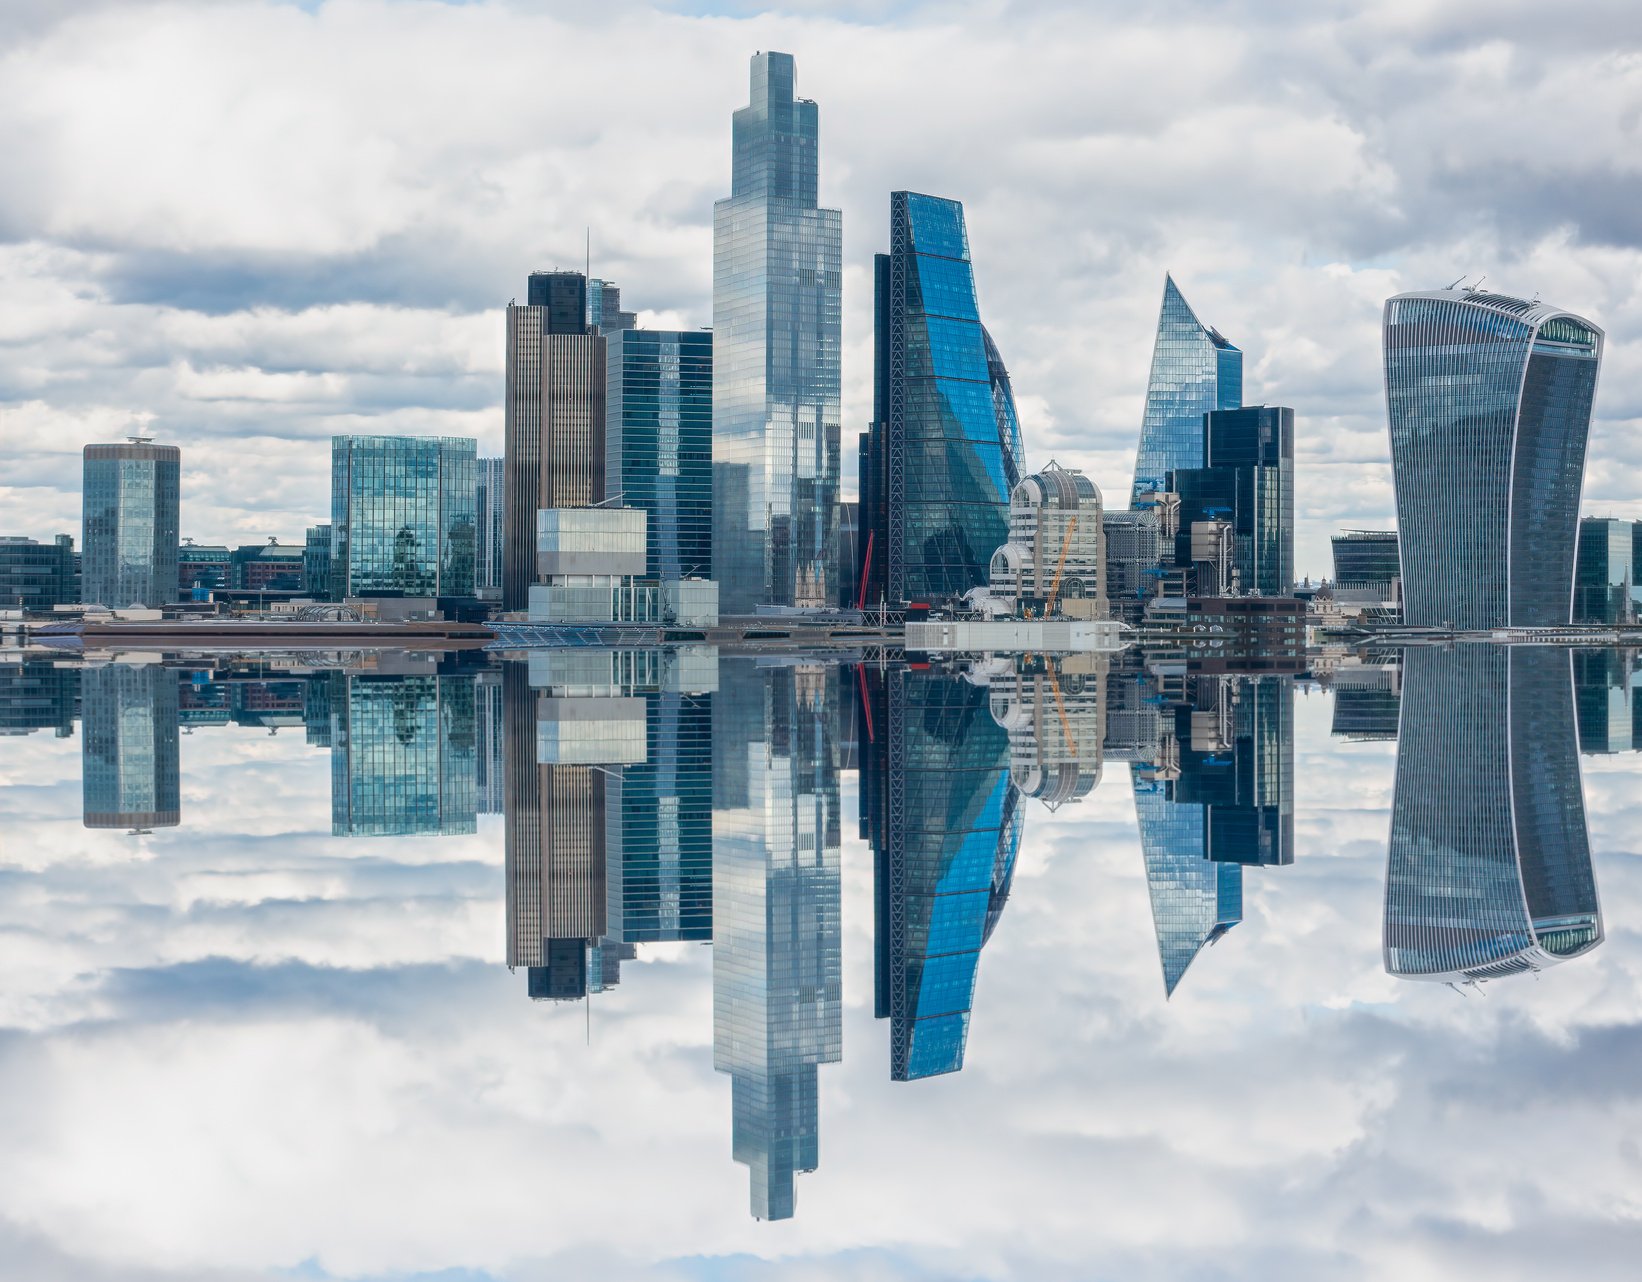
{"x": 132, "y": 496}
{"x": 777, "y": 946}
{"x": 938, "y": 481}
{"x": 945, "y": 825}
{"x": 130, "y": 761}
{"x": 777, "y": 315}
{"x": 1489, "y": 870}
{"x": 488, "y": 503}
{"x": 316, "y": 562}
{"x": 1489, "y": 401}
{"x": 402, "y": 516}
{"x": 1194, "y": 371}
{"x": 660, "y": 823}
{"x": 402, "y": 755}
{"x": 1365, "y": 558}
{"x": 659, "y": 442}
{"x": 1604, "y": 578}
{"x": 1247, "y": 481}
{"x": 37, "y": 576}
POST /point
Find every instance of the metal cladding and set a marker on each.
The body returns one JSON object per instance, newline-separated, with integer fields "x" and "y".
{"x": 1489, "y": 402}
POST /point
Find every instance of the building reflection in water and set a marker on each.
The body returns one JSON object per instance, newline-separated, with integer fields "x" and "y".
{"x": 1214, "y": 793}
{"x": 777, "y": 955}
{"x": 1489, "y": 872}
{"x": 402, "y": 743}
{"x": 942, "y": 817}
{"x": 131, "y": 772}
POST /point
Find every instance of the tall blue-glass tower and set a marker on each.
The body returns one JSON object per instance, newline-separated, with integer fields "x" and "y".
{"x": 659, "y": 442}
{"x": 1194, "y": 372}
{"x": 944, "y": 450}
{"x": 943, "y": 818}
{"x": 1489, "y": 403}
{"x": 777, "y": 317}
{"x": 1489, "y": 872}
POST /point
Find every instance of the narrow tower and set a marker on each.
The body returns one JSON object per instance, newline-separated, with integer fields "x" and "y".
{"x": 777, "y": 268}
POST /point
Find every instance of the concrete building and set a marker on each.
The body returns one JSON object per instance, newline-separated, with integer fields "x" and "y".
{"x": 1055, "y": 559}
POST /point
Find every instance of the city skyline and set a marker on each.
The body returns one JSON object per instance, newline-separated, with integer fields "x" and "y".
{"x": 262, "y": 370}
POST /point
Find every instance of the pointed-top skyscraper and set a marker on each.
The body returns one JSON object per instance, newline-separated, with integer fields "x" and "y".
{"x": 1194, "y": 370}
{"x": 777, "y": 308}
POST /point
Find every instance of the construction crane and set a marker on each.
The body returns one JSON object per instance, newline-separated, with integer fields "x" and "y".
{"x": 1060, "y": 704}
{"x": 1060, "y": 567}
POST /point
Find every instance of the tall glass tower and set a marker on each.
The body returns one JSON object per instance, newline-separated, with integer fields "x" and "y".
{"x": 944, "y": 822}
{"x": 944, "y": 451}
{"x": 1489, "y": 402}
{"x": 1194, "y": 371}
{"x": 659, "y": 442}
{"x": 132, "y": 518}
{"x": 777, "y": 314}
{"x": 1489, "y": 872}
{"x": 777, "y": 947}
{"x": 131, "y": 768}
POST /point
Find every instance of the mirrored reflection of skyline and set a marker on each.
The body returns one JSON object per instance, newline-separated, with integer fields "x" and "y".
{"x": 674, "y": 796}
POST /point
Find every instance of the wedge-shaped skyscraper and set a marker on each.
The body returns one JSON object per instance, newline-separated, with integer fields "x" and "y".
{"x": 1490, "y": 864}
{"x": 944, "y": 450}
{"x": 1194, "y": 371}
{"x": 1489, "y": 400}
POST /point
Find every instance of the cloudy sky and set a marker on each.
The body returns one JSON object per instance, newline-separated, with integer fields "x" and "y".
{"x": 245, "y": 226}
{"x": 244, "y": 1050}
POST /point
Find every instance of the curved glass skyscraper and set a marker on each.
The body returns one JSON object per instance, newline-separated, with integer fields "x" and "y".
{"x": 945, "y": 448}
{"x": 1489, "y": 404}
{"x": 1489, "y": 871}
{"x": 1194, "y": 370}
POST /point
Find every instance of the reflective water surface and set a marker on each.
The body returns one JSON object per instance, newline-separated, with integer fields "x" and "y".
{"x": 674, "y": 964}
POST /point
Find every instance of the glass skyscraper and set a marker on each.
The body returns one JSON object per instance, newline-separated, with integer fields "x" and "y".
{"x": 403, "y": 755}
{"x": 945, "y": 449}
{"x": 1489, "y": 400}
{"x": 777, "y": 947}
{"x": 1246, "y": 481}
{"x": 1194, "y": 900}
{"x": 1194, "y": 371}
{"x": 659, "y": 442}
{"x": 777, "y": 314}
{"x": 1489, "y": 871}
{"x": 402, "y": 516}
{"x": 132, "y": 496}
{"x": 660, "y": 826}
{"x": 130, "y": 763}
{"x": 944, "y": 822}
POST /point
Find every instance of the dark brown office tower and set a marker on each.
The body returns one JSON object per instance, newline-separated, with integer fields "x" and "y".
{"x": 554, "y": 419}
{"x": 555, "y": 852}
